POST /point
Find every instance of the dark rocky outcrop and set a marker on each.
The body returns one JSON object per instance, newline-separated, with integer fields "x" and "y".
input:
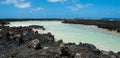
{"x": 2, "y": 23}
{"x": 37, "y": 27}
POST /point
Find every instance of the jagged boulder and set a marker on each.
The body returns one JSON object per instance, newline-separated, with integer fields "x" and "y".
{"x": 34, "y": 44}
{"x": 49, "y": 37}
{"x": 65, "y": 51}
{"x": 118, "y": 52}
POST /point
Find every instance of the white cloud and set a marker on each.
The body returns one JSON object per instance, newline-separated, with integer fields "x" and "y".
{"x": 37, "y": 9}
{"x": 57, "y": 0}
{"x": 22, "y": 5}
{"x": 79, "y": 6}
{"x": 17, "y": 3}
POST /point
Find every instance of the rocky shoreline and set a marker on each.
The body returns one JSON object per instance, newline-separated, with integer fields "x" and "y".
{"x": 23, "y": 42}
{"x": 110, "y": 25}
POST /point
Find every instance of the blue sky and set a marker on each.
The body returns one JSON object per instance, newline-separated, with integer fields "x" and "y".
{"x": 59, "y": 8}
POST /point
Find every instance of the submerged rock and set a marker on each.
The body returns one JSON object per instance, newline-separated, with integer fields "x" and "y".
{"x": 60, "y": 41}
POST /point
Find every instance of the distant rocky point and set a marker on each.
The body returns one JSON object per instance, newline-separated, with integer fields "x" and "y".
{"x": 110, "y": 25}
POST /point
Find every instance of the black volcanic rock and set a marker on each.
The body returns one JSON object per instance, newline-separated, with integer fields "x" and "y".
{"x": 118, "y": 53}
{"x": 65, "y": 51}
{"x": 34, "y": 44}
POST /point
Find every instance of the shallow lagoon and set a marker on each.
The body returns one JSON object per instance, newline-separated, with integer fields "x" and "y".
{"x": 102, "y": 39}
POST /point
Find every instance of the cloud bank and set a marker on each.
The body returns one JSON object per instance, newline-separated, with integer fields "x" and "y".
{"x": 79, "y": 6}
{"x": 76, "y": 5}
{"x": 17, "y": 3}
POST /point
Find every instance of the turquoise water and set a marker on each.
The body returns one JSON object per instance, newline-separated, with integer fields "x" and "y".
{"x": 102, "y": 39}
